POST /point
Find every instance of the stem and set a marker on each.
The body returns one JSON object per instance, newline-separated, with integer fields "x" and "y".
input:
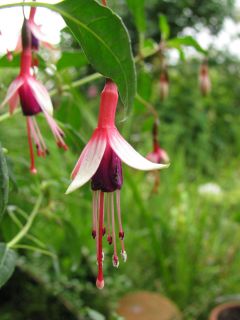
{"x": 28, "y": 225}
{"x": 27, "y": 247}
{"x": 75, "y": 84}
{"x": 148, "y": 105}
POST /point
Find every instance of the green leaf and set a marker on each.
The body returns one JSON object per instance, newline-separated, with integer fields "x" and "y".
{"x": 75, "y": 59}
{"x": 185, "y": 41}
{"x": 8, "y": 259}
{"x": 149, "y": 46}
{"x": 137, "y": 9}
{"x": 94, "y": 315}
{"x": 103, "y": 38}
{"x": 164, "y": 27}
{"x": 4, "y": 183}
{"x": 105, "y": 41}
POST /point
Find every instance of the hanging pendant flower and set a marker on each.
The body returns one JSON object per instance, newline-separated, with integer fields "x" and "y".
{"x": 34, "y": 99}
{"x": 101, "y": 162}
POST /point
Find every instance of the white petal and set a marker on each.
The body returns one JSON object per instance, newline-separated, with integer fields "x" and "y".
{"x": 36, "y": 30}
{"x": 13, "y": 102}
{"x": 89, "y": 160}
{"x": 130, "y": 156}
{"x": 41, "y": 95}
{"x": 12, "y": 90}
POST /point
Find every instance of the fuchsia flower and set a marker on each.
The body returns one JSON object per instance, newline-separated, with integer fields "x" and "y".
{"x": 101, "y": 162}
{"x": 158, "y": 155}
{"x": 38, "y": 37}
{"x": 34, "y": 99}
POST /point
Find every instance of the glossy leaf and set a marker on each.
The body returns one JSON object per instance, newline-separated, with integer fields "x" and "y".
{"x": 4, "y": 183}
{"x": 164, "y": 27}
{"x": 187, "y": 41}
{"x": 149, "y": 46}
{"x": 8, "y": 259}
{"x": 137, "y": 9}
{"x": 103, "y": 38}
{"x": 105, "y": 41}
{"x": 75, "y": 59}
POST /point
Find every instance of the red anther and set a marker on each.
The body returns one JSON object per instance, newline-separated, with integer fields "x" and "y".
{"x": 65, "y": 147}
{"x": 115, "y": 261}
{"x": 109, "y": 239}
{"x": 94, "y": 233}
{"x": 59, "y": 144}
{"x": 103, "y": 231}
{"x": 39, "y": 153}
{"x": 121, "y": 235}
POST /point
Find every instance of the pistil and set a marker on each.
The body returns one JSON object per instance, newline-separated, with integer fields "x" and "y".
{"x": 100, "y": 280}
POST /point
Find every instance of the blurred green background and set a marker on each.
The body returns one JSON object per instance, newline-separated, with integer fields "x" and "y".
{"x": 182, "y": 241}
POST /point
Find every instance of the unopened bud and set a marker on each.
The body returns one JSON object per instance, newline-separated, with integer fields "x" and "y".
{"x": 204, "y": 80}
{"x": 164, "y": 85}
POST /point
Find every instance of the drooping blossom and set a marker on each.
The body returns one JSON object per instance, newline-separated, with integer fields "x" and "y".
{"x": 37, "y": 38}
{"x": 158, "y": 155}
{"x": 101, "y": 162}
{"x": 204, "y": 79}
{"x": 34, "y": 99}
{"x": 164, "y": 84}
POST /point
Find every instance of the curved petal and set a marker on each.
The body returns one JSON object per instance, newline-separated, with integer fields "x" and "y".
{"x": 130, "y": 156}
{"x": 13, "y": 102}
{"x": 36, "y": 30}
{"x": 12, "y": 91}
{"x": 89, "y": 160}
{"x": 41, "y": 95}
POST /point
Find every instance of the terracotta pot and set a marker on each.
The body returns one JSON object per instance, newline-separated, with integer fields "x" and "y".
{"x": 143, "y": 305}
{"x": 226, "y": 311}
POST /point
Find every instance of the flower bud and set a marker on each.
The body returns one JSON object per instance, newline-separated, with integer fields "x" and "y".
{"x": 164, "y": 85}
{"x": 204, "y": 80}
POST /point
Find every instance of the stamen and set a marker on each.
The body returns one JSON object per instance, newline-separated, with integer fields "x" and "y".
{"x": 109, "y": 237}
{"x": 35, "y": 138}
{"x": 57, "y": 132}
{"x": 115, "y": 260}
{"x": 32, "y": 164}
{"x": 100, "y": 280}
{"x": 42, "y": 142}
{"x": 94, "y": 215}
{"x": 121, "y": 232}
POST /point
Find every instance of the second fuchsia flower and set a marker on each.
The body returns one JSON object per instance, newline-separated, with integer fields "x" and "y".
{"x": 101, "y": 162}
{"x": 158, "y": 155}
{"x": 34, "y": 99}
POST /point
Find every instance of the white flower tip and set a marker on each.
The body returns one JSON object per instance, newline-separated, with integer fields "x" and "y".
{"x": 159, "y": 166}
{"x": 71, "y": 188}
